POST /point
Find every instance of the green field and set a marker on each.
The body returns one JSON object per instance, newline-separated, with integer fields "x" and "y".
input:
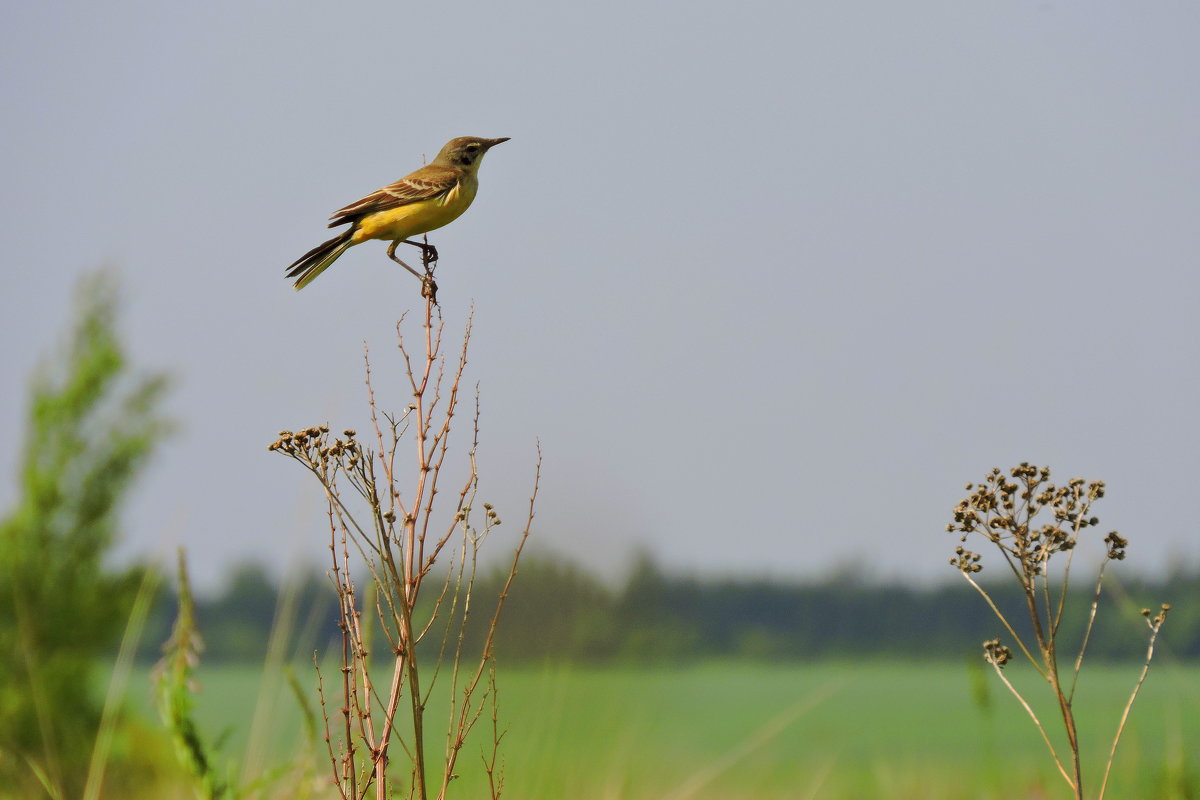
{"x": 879, "y": 730}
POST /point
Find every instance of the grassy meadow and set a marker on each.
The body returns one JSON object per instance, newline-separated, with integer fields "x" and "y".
{"x": 732, "y": 731}
{"x": 736, "y": 729}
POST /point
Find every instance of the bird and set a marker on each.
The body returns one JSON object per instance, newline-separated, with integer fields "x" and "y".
{"x": 432, "y": 196}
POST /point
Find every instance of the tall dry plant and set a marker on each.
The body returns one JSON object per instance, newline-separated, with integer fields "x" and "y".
{"x": 401, "y": 559}
{"x": 1035, "y": 524}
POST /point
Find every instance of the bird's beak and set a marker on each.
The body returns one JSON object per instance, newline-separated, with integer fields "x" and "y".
{"x": 493, "y": 142}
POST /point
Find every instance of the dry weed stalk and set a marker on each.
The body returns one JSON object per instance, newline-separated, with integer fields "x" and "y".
{"x": 1031, "y": 520}
{"x": 396, "y": 537}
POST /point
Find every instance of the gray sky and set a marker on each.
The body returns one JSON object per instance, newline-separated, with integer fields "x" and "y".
{"x": 770, "y": 281}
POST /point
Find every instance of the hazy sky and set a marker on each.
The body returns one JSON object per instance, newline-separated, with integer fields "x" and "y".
{"x": 770, "y": 281}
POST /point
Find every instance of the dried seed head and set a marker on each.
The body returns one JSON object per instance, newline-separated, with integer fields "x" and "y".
{"x": 1006, "y": 512}
{"x": 996, "y": 653}
{"x": 1116, "y": 545}
{"x": 965, "y": 561}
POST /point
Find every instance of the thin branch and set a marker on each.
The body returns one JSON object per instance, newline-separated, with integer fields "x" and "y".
{"x": 1036, "y": 722}
{"x": 1155, "y": 627}
{"x": 1087, "y": 632}
{"x": 397, "y": 550}
{"x": 466, "y": 723}
{"x": 1007, "y": 626}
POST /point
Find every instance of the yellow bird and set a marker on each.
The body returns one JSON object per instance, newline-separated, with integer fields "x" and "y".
{"x": 433, "y": 196}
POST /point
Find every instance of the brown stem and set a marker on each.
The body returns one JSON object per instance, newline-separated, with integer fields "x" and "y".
{"x": 395, "y": 560}
{"x": 1050, "y": 659}
{"x": 1034, "y": 717}
{"x": 1155, "y": 626}
{"x": 469, "y": 714}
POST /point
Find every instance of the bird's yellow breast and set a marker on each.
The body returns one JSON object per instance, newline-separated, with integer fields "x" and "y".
{"x": 409, "y": 220}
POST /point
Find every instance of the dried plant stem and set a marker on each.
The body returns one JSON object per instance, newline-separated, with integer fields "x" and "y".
{"x": 1004, "y": 621}
{"x": 394, "y": 538}
{"x": 1066, "y": 578}
{"x": 1068, "y": 715}
{"x": 1046, "y": 643}
{"x": 1087, "y": 631}
{"x": 495, "y": 778}
{"x": 469, "y": 713}
{"x": 1033, "y": 716}
{"x": 333, "y": 757}
{"x": 345, "y": 598}
{"x": 1155, "y": 625}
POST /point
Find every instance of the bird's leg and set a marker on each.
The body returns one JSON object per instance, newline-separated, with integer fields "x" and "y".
{"x": 429, "y": 253}
{"x": 392, "y": 255}
{"x": 429, "y": 256}
{"x": 428, "y": 286}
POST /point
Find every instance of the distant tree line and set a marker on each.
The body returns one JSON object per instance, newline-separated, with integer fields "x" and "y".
{"x": 558, "y": 611}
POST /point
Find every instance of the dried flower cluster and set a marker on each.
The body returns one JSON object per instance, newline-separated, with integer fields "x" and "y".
{"x": 324, "y": 458}
{"x": 312, "y": 445}
{"x": 1159, "y": 618}
{"x": 996, "y": 653}
{"x": 1030, "y": 519}
{"x": 1006, "y": 511}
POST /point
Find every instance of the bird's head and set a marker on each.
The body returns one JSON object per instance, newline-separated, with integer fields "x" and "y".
{"x": 466, "y": 151}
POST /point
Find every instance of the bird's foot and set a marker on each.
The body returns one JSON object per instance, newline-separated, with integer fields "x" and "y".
{"x": 429, "y": 254}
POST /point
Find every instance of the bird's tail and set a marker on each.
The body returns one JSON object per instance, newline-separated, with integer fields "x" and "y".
{"x": 317, "y": 260}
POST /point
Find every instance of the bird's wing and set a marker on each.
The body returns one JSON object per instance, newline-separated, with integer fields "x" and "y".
{"x": 425, "y": 184}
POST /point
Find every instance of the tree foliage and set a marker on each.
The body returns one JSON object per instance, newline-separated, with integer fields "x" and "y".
{"x": 561, "y": 612}
{"x": 91, "y": 427}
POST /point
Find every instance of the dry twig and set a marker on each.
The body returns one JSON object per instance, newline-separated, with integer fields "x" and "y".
{"x": 389, "y": 530}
